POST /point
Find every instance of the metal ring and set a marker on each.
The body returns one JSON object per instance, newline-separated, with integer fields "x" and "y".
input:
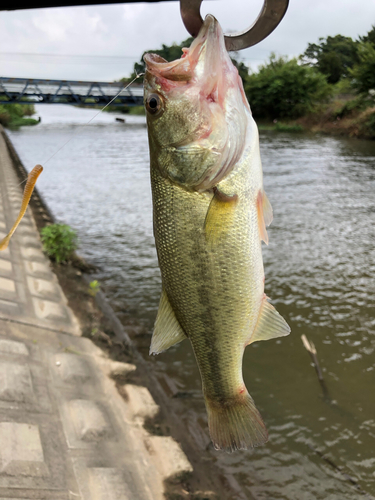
{"x": 270, "y": 16}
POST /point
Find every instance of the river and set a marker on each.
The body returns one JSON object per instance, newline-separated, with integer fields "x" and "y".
{"x": 319, "y": 265}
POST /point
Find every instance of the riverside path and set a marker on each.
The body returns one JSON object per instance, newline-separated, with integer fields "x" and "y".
{"x": 65, "y": 431}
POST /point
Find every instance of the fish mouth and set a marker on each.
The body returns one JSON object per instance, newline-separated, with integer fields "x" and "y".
{"x": 203, "y": 58}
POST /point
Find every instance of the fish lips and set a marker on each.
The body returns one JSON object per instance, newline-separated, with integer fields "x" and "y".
{"x": 204, "y": 62}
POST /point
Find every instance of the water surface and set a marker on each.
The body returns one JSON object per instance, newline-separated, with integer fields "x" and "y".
{"x": 319, "y": 265}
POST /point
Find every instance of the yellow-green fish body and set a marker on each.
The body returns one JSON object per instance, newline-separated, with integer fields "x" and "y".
{"x": 210, "y": 212}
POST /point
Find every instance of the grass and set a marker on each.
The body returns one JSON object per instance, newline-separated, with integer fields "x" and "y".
{"x": 281, "y": 127}
{"x": 137, "y": 110}
{"x": 17, "y": 115}
{"x": 17, "y": 122}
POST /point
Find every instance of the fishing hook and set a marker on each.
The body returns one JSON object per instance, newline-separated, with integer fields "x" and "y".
{"x": 269, "y": 18}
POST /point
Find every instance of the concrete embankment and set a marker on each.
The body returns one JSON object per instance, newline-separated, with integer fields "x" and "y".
{"x": 65, "y": 430}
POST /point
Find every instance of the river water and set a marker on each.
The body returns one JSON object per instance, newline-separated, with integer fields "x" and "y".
{"x": 319, "y": 265}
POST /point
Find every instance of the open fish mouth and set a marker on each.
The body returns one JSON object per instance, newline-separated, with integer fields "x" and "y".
{"x": 203, "y": 110}
{"x": 204, "y": 60}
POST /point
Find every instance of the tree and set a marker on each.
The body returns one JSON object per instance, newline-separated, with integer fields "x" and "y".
{"x": 363, "y": 73}
{"x": 370, "y": 37}
{"x": 333, "y": 57}
{"x": 284, "y": 88}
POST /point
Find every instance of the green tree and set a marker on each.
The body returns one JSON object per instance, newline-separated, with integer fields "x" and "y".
{"x": 284, "y": 88}
{"x": 370, "y": 37}
{"x": 363, "y": 73}
{"x": 333, "y": 56}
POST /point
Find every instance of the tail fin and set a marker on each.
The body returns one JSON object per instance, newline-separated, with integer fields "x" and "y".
{"x": 235, "y": 424}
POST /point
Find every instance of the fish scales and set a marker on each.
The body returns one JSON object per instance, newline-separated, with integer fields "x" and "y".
{"x": 208, "y": 227}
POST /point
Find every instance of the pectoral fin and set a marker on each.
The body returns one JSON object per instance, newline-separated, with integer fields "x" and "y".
{"x": 219, "y": 215}
{"x": 167, "y": 329}
{"x": 265, "y": 214}
{"x": 270, "y": 324}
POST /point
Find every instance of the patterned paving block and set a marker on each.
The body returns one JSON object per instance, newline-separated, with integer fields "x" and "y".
{"x": 45, "y": 309}
{"x": 26, "y": 231}
{"x": 175, "y": 463}
{"x": 21, "y": 452}
{"x": 26, "y": 222}
{"x": 6, "y": 252}
{"x": 38, "y": 269}
{"x": 7, "y": 287}
{"x": 6, "y": 267}
{"x": 31, "y": 241}
{"x": 9, "y": 308}
{"x": 13, "y": 347}
{"x": 72, "y": 368}
{"x": 141, "y": 402}
{"x": 33, "y": 254}
{"x": 43, "y": 288}
{"x": 108, "y": 484}
{"x": 15, "y": 383}
{"x": 85, "y": 423}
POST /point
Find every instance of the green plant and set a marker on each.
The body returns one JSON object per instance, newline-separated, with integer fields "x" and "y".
{"x": 284, "y": 127}
{"x": 59, "y": 241}
{"x": 12, "y": 115}
{"x": 334, "y": 56}
{"x": 285, "y": 89}
{"x": 94, "y": 287}
{"x": 363, "y": 73}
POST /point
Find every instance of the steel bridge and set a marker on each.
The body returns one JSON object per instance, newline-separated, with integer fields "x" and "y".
{"x": 33, "y": 91}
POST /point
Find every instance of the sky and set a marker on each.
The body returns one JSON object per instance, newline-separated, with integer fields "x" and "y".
{"x": 102, "y": 42}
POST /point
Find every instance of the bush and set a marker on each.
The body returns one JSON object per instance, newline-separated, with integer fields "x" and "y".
{"x": 59, "y": 241}
{"x": 13, "y": 114}
{"x": 4, "y": 115}
{"x": 285, "y": 89}
{"x": 364, "y": 72}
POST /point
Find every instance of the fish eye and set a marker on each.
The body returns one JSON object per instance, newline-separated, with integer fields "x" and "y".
{"x": 154, "y": 104}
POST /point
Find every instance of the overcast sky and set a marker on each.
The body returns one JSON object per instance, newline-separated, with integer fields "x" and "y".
{"x": 102, "y": 42}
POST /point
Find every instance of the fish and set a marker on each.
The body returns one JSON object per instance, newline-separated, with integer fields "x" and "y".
{"x": 210, "y": 213}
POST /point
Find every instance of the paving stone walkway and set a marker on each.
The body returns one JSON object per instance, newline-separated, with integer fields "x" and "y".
{"x": 65, "y": 431}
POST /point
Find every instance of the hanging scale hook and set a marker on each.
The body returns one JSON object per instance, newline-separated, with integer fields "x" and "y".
{"x": 270, "y": 16}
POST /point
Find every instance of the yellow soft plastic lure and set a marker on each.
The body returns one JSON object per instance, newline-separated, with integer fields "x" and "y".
{"x": 29, "y": 188}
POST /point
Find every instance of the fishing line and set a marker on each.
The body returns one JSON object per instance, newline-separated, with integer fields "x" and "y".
{"x": 85, "y": 124}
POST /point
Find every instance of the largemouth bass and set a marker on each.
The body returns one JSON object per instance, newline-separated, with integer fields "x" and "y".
{"x": 210, "y": 215}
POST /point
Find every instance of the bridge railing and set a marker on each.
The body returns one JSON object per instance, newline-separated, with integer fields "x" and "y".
{"x": 37, "y": 91}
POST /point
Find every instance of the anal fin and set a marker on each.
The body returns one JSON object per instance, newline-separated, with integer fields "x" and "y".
{"x": 167, "y": 329}
{"x": 270, "y": 324}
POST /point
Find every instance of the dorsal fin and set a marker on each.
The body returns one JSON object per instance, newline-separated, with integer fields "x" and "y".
{"x": 265, "y": 214}
{"x": 167, "y": 329}
{"x": 270, "y": 324}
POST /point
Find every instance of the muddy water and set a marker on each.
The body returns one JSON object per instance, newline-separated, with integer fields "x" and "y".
{"x": 320, "y": 268}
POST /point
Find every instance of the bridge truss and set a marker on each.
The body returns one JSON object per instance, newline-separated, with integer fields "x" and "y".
{"x": 33, "y": 91}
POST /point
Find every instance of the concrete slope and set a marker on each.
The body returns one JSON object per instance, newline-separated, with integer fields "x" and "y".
{"x": 65, "y": 431}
